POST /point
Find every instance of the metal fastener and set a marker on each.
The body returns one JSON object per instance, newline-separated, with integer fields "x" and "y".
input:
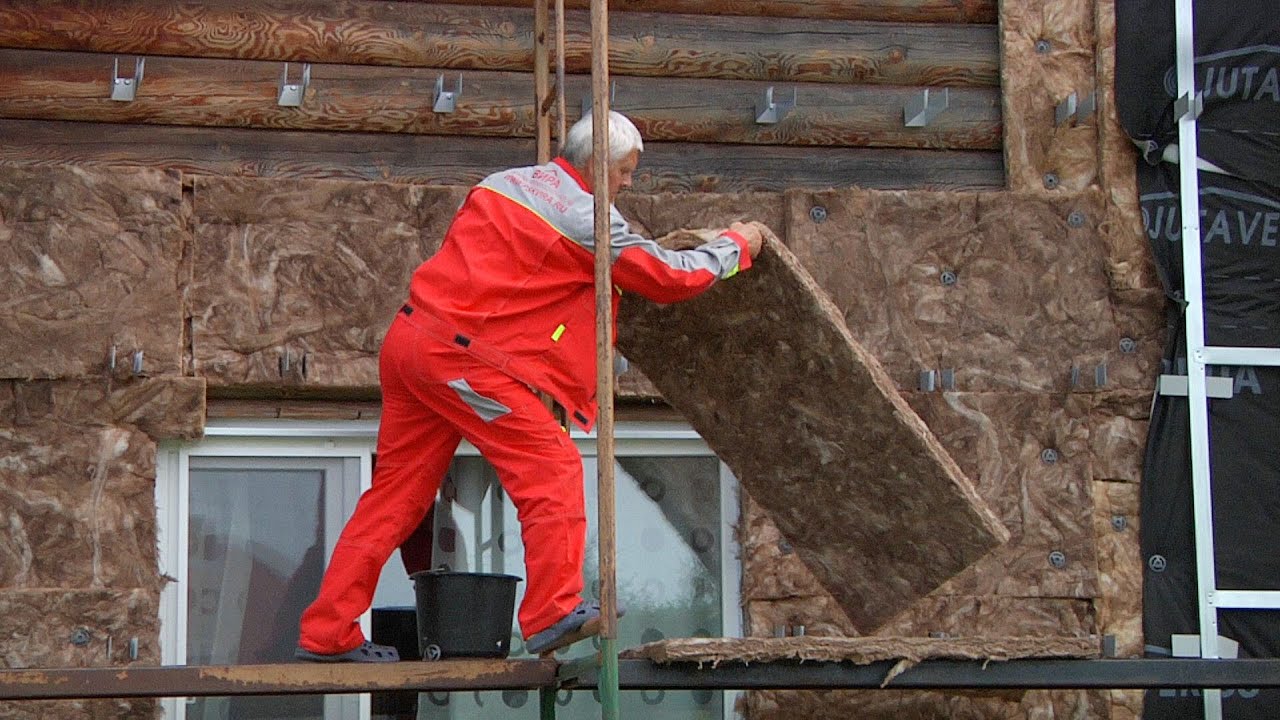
{"x": 1050, "y": 181}
{"x": 1119, "y": 523}
{"x": 948, "y": 277}
{"x": 818, "y": 214}
{"x": 1043, "y": 46}
{"x": 1075, "y": 219}
{"x": 1157, "y": 563}
{"x": 784, "y": 547}
{"x": 1128, "y": 345}
{"x": 1058, "y": 559}
{"x": 1049, "y": 456}
{"x": 80, "y": 637}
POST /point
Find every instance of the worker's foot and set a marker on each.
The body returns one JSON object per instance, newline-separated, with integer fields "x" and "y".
{"x": 365, "y": 653}
{"x": 580, "y": 624}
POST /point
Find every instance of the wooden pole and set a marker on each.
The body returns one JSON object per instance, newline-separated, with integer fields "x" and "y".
{"x": 562, "y": 119}
{"x": 541, "y": 81}
{"x": 606, "y": 510}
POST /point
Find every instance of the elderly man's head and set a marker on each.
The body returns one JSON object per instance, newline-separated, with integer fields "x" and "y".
{"x": 625, "y": 146}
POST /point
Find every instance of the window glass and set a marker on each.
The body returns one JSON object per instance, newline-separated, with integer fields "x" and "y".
{"x": 669, "y": 572}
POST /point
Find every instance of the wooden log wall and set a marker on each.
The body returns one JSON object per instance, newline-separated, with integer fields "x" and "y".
{"x": 691, "y": 81}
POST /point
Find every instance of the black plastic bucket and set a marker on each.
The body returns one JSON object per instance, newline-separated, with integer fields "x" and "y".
{"x": 464, "y": 615}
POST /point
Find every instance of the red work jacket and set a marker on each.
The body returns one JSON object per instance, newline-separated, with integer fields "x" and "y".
{"x": 514, "y": 280}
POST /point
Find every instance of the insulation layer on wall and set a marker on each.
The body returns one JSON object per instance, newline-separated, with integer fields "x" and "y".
{"x": 95, "y": 270}
{"x": 37, "y": 627}
{"x": 1047, "y": 54}
{"x": 1008, "y": 292}
{"x": 295, "y": 283}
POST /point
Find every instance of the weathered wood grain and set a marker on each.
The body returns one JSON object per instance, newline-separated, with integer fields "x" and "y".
{"x": 976, "y": 11}
{"x": 749, "y": 45}
{"x": 38, "y": 84}
{"x": 445, "y": 160}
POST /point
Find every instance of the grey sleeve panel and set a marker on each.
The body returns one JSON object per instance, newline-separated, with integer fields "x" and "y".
{"x": 719, "y": 257}
{"x": 556, "y": 197}
{"x": 487, "y": 408}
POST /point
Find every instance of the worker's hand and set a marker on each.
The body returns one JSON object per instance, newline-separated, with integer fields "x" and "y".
{"x": 751, "y": 233}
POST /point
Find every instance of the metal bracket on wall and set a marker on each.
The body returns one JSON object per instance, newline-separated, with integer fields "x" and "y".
{"x": 769, "y": 111}
{"x": 921, "y": 109}
{"x": 446, "y": 101}
{"x": 1075, "y": 108}
{"x": 1215, "y": 387}
{"x": 290, "y": 94}
{"x": 126, "y": 89}
{"x": 1188, "y": 646}
{"x": 1186, "y": 104}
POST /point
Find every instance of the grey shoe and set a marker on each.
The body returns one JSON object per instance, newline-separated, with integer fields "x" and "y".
{"x": 581, "y": 623}
{"x": 365, "y": 653}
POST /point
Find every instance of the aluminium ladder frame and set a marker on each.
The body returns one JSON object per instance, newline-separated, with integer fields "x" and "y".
{"x": 1210, "y": 598}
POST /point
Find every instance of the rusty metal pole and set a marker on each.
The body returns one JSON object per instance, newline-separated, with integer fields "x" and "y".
{"x": 606, "y": 511}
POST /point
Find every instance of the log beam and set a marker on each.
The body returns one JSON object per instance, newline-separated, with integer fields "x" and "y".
{"x": 37, "y": 84}
{"x": 927, "y": 11}
{"x": 364, "y": 32}
{"x": 444, "y": 160}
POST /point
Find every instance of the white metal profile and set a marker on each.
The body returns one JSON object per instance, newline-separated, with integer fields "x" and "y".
{"x": 1199, "y": 355}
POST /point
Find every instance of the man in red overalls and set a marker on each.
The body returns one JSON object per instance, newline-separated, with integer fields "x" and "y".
{"x": 504, "y": 309}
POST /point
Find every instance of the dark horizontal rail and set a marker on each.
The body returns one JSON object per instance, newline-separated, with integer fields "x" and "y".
{"x": 943, "y": 674}
{"x": 299, "y": 678}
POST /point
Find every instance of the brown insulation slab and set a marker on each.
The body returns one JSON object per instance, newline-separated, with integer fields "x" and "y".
{"x": 1130, "y": 255}
{"x": 1120, "y": 565}
{"x": 1118, "y": 426}
{"x": 296, "y": 281}
{"x": 1002, "y": 289}
{"x": 861, "y": 650}
{"x": 1028, "y": 455}
{"x": 79, "y": 508}
{"x": 169, "y": 407}
{"x": 946, "y": 615}
{"x": 57, "y": 613}
{"x": 94, "y": 259}
{"x": 765, "y": 370}
{"x": 35, "y": 631}
{"x": 1047, "y": 53}
{"x": 36, "y": 627}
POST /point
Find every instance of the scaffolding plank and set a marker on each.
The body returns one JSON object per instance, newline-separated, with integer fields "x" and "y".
{"x": 277, "y": 679}
{"x": 764, "y": 368}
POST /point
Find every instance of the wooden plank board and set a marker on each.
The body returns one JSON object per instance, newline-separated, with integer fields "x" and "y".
{"x": 363, "y": 32}
{"x": 278, "y": 679}
{"x": 38, "y": 84}
{"x": 445, "y": 160}
{"x": 766, "y": 371}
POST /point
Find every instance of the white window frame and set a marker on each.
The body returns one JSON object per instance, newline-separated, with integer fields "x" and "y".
{"x": 357, "y": 439}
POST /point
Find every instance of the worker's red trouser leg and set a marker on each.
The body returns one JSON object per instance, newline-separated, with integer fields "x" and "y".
{"x": 423, "y": 418}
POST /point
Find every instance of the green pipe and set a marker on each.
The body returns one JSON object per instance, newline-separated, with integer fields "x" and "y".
{"x": 547, "y": 703}
{"x": 608, "y": 685}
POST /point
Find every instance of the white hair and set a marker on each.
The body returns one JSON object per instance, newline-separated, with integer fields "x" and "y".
{"x": 623, "y": 138}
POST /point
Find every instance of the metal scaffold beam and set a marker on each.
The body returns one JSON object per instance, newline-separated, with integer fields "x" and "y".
{"x": 469, "y": 675}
